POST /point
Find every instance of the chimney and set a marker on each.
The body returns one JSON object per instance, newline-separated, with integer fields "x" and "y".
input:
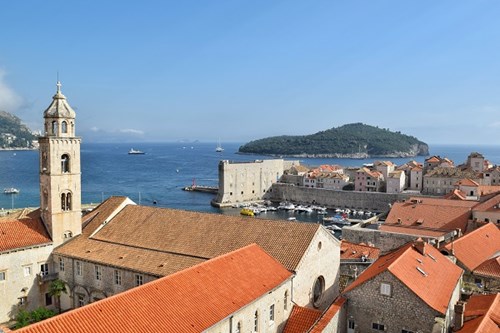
{"x": 419, "y": 245}
{"x": 459, "y": 315}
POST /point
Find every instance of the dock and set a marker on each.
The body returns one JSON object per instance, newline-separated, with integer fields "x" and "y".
{"x": 202, "y": 188}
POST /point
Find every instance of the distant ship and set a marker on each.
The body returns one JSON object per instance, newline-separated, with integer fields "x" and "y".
{"x": 132, "y": 151}
{"x": 219, "y": 148}
{"x": 11, "y": 190}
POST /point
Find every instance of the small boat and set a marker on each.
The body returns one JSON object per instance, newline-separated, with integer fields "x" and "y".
{"x": 132, "y": 151}
{"x": 219, "y": 148}
{"x": 292, "y": 218}
{"x": 247, "y": 212}
{"x": 10, "y": 190}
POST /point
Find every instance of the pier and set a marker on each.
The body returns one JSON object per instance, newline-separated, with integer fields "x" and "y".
{"x": 202, "y": 188}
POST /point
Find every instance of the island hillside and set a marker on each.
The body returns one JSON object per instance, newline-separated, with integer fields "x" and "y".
{"x": 14, "y": 134}
{"x": 348, "y": 141}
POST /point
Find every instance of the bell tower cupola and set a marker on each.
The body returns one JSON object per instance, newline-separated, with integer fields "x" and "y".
{"x": 60, "y": 174}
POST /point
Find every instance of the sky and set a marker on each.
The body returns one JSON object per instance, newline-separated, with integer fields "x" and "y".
{"x": 152, "y": 71}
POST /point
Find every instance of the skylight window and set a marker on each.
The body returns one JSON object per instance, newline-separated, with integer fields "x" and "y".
{"x": 421, "y": 271}
{"x": 431, "y": 256}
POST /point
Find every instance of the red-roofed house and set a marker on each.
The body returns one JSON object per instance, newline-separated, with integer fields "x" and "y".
{"x": 368, "y": 180}
{"x": 354, "y": 259}
{"x": 488, "y": 211}
{"x": 412, "y": 289}
{"x": 478, "y": 253}
{"x": 244, "y": 290}
{"x": 480, "y": 314}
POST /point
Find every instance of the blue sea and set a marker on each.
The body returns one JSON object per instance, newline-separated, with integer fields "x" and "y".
{"x": 157, "y": 178}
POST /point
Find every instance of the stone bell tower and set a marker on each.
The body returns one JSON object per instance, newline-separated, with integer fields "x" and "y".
{"x": 60, "y": 175}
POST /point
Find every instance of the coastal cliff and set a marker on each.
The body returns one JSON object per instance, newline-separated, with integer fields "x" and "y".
{"x": 348, "y": 141}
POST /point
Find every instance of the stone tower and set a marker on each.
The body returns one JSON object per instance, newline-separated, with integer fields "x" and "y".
{"x": 60, "y": 184}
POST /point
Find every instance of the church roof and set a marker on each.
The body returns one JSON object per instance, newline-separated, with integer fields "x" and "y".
{"x": 192, "y": 300}
{"x": 22, "y": 230}
{"x": 301, "y": 319}
{"x": 59, "y": 108}
{"x": 160, "y": 241}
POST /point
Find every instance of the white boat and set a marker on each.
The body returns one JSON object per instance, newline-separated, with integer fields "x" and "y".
{"x": 132, "y": 151}
{"x": 10, "y": 190}
{"x": 219, "y": 148}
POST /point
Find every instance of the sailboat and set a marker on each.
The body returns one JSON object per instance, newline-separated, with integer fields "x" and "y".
{"x": 219, "y": 148}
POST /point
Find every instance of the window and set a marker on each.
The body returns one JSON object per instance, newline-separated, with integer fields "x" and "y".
{"x": 61, "y": 264}
{"x": 27, "y": 270}
{"x": 118, "y": 277}
{"x": 285, "y": 301}
{"x": 44, "y": 269}
{"x": 350, "y": 324}
{"x": 238, "y": 327}
{"x": 98, "y": 272}
{"x": 54, "y": 127}
{"x": 80, "y": 300}
{"x": 23, "y": 300}
{"x": 407, "y": 331}
{"x": 318, "y": 289}
{"x": 48, "y": 299}
{"x": 385, "y": 289}
{"x": 271, "y": 314}
{"x": 378, "y": 327}
{"x": 78, "y": 268}
{"x": 65, "y": 163}
{"x": 139, "y": 280}
{"x": 256, "y": 321}
{"x": 3, "y": 276}
{"x": 66, "y": 201}
{"x": 64, "y": 127}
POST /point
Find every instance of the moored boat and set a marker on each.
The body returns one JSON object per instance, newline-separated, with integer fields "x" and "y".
{"x": 247, "y": 212}
{"x": 10, "y": 190}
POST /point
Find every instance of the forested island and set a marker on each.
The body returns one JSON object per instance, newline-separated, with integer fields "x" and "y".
{"x": 348, "y": 141}
{"x": 13, "y": 133}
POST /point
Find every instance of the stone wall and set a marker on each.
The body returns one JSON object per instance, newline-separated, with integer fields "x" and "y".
{"x": 371, "y": 201}
{"x": 401, "y": 310}
{"x": 382, "y": 240}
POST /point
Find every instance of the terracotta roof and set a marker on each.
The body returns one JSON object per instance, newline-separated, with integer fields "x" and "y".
{"x": 475, "y": 247}
{"x": 301, "y": 320}
{"x": 489, "y": 268}
{"x": 433, "y": 159}
{"x": 395, "y": 174}
{"x": 182, "y": 302}
{"x": 350, "y": 250}
{"x": 447, "y": 215}
{"x": 455, "y": 195}
{"x": 184, "y": 237}
{"x": 372, "y": 173}
{"x": 435, "y": 288}
{"x": 489, "y": 205}
{"x": 482, "y": 314}
{"x": 416, "y": 231}
{"x": 22, "y": 230}
{"x": 467, "y": 182}
{"x": 447, "y": 172}
{"x": 441, "y": 202}
{"x": 328, "y": 315}
{"x": 488, "y": 189}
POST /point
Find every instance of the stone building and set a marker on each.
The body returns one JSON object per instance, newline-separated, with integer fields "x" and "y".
{"x": 479, "y": 314}
{"x": 124, "y": 245}
{"x": 441, "y": 181}
{"x": 368, "y": 180}
{"x": 248, "y": 181}
{"x": 26, "y": 269}
{"x": 384, "y": 167}
{"x": 412, "y": 289}
{"x": 491, "y": 176}
{"x": 478, "y": 253}
{"x": 245, "y": 290}
{"x": 476, "y": 162}
{"x": 395, "y": 182}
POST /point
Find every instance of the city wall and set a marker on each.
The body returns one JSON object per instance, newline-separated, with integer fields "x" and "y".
{"x": 371, "y": 201}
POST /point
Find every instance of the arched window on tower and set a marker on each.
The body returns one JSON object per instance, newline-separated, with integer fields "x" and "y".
{"x": 68, "y": 201}
{"x": 63, "y": 201}
{"x": 65, "y": 163}
{"x": 64, "y": 127}
{"x": 54, "y": 127}
{"x": 72, "y": 128}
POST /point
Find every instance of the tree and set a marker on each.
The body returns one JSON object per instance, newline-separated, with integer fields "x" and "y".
{"x": 56, "y": 289}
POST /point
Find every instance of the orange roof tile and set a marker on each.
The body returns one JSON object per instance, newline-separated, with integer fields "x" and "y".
{"x": 350, "y": 250}
{"x": 413, "y": 230}
{"x": 182, "y": 302}
{"x": 433, "y": 159}
{"x": 482, "y": 314}
{"x": 489, "y": 268}
{"x": 301, "y": 320}
{"x": 448, "y": 215}
{"x": 467, "y": 182}
{"x": 475, "y": 247}
{"x": 24, "y": 231}
{"x": 435, "y": 288}
{"x": 489, "y": 205}
{"x": 328, "y": 315}
{"x": 186, "y": 238}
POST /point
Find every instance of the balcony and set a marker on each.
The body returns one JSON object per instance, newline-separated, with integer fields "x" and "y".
{"x": 46, "y": 277}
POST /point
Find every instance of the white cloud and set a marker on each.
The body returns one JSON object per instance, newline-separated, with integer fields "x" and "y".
{"x": 94, "y": 129}
{"x": 9, "y": 100}
{"x": 132, "y": 131}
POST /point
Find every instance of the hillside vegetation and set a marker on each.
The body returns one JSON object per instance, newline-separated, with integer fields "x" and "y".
{"x": 13, "y": 134}
{"x": 349, "y": 141}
